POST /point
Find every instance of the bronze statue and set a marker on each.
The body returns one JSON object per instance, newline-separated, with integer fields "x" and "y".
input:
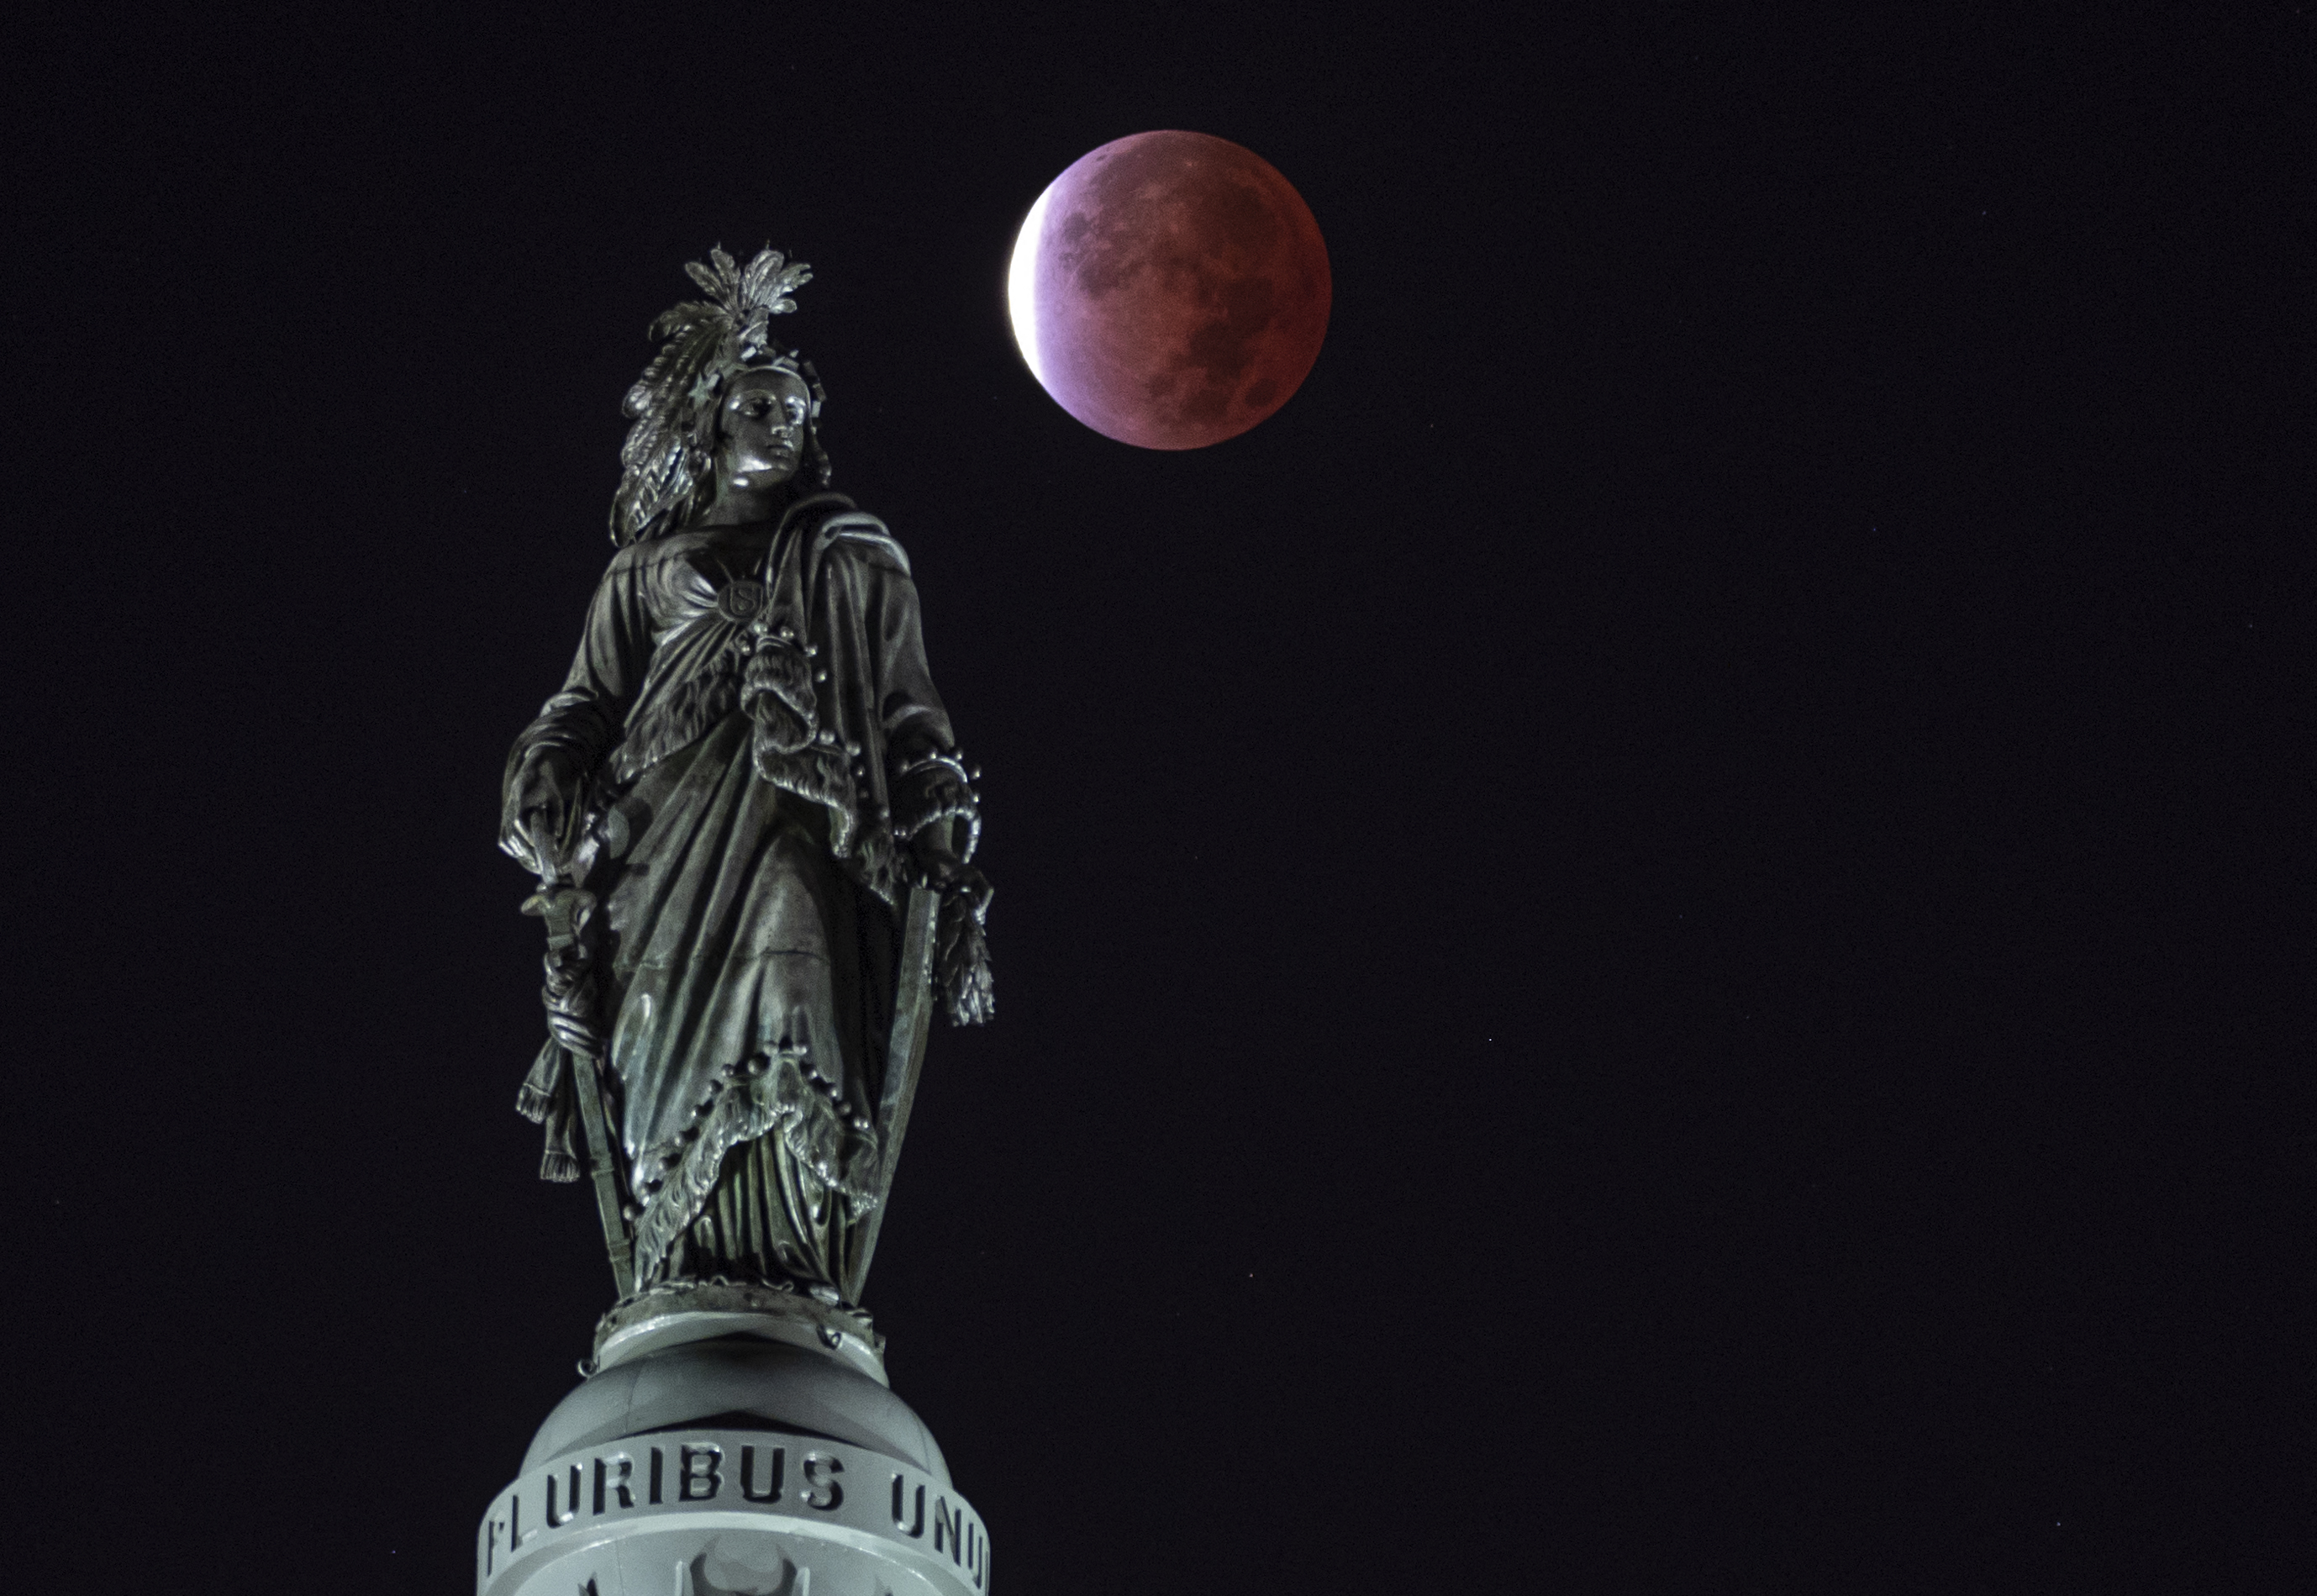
{"x": 745, "y": 782}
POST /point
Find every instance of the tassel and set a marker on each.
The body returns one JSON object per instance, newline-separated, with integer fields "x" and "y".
{"x": 536, "y": 1099}
{"x": 546, "y": 1098}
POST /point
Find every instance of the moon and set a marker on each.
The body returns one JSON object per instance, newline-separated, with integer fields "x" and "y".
{"x": 1169, "y": 290}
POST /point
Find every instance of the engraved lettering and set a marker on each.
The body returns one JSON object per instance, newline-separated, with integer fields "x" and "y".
{"x": 570, "y": 1502}
{"x": 821, "y": 1472}
{"x": 900, "y": 1504}
{"x": 700, "y": 1473}
{"x": 655, "y": 1476}
{"x": 772, "y": 1491}
{"x": 515, "y": 1533}
{"x": 615, "y": 1471}
{"x": 497, "y": 1528}
{"x": 949, "y": 1528}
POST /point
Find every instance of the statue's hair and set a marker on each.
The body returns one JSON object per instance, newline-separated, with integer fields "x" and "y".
{"x": 670, "y": 454}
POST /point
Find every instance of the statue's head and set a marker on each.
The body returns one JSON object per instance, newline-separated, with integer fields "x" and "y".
{"x": 721, "y": 408}
{"x": 763, "y": 428}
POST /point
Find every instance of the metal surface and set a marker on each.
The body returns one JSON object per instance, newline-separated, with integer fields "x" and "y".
{"x": 738, "y": 1381}
{"x": 567, "y": 912}
{"x": 748, "y": 757}
{"x": 904, "y": 1056}
{"x": 681, "y": 1311}
{"x": 724, "y": 1512}
{"x": 753, "y": 832}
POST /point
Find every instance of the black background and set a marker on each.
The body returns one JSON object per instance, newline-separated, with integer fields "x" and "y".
{"x": 1651, "y": 943}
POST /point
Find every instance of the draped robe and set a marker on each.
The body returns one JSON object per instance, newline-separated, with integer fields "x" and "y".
{"x": 748, "y": 888}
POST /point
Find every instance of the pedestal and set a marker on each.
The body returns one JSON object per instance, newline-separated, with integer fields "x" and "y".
{"x": 732, "y": 1442}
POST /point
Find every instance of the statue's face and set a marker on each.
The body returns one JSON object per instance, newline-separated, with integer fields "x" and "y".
{"x": 761, "y": 429}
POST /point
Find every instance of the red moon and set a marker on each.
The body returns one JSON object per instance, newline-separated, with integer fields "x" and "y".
{"x": 1170, "y": 290}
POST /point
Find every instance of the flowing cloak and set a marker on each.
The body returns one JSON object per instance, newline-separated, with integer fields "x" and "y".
{"x": 747, "y": 877}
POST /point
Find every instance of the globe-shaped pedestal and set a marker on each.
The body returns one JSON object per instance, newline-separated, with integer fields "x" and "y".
{"x": 730, "y": 1446}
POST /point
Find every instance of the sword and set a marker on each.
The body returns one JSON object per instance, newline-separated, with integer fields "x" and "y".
{"x": 567, "y": 912}
{"x": 904, "y": 1056}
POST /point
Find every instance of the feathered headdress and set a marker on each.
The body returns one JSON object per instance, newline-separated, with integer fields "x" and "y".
{"x": 670, "y": 452}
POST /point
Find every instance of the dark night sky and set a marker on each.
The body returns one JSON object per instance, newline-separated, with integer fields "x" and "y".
{"x": 1657, "y": 941}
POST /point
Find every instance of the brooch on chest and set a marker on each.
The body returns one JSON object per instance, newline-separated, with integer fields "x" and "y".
{"x": 741, "y": 599}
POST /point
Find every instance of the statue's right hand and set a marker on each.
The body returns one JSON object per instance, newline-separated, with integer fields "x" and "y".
{"x": 541, "y": 803}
